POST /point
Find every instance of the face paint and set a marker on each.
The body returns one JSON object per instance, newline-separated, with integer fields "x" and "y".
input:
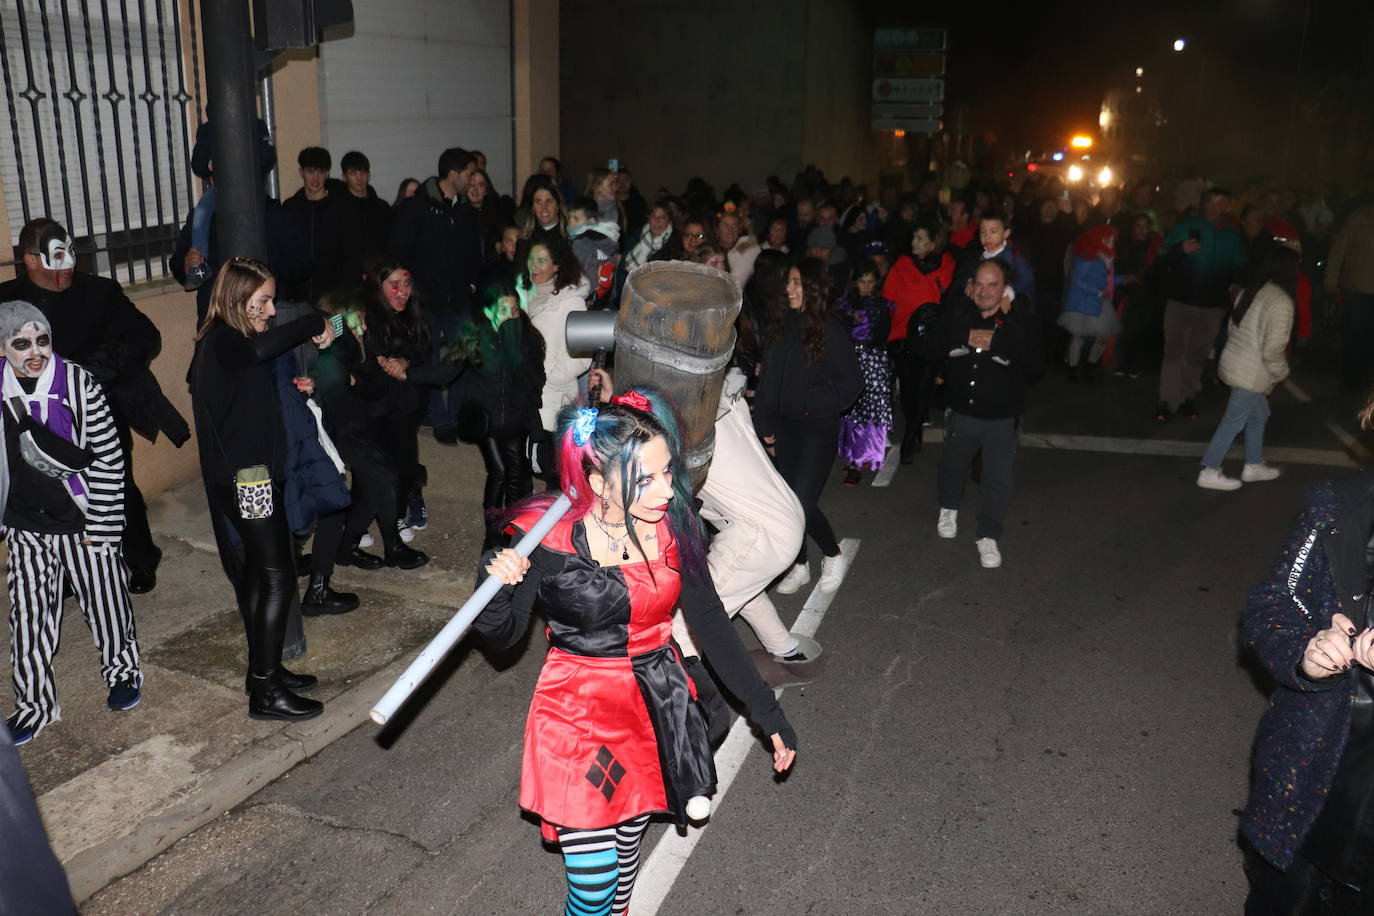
{"x": 55, "y": 249}
{"x": 397, "y": 287}
{"x": 29, "y": 351}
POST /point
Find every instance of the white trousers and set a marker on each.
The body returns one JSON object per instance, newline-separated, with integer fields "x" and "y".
{"x": 760, "y": 525}
{"x": 38, "y": 566}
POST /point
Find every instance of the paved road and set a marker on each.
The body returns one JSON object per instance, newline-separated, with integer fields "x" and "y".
{"x": 1068, "y": 734}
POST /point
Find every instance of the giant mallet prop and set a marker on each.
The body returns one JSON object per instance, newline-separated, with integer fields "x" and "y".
{"x": 453, "y": 631}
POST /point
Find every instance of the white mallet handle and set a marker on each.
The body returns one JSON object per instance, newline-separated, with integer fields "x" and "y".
{"x": 448, "y": 637}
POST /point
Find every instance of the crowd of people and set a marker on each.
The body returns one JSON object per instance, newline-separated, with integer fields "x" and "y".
{"x": 864, "y": 318}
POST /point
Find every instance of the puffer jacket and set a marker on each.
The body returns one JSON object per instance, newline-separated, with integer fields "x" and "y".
{"x": 548, "y": 310}
{"x": 1254, "y": 356}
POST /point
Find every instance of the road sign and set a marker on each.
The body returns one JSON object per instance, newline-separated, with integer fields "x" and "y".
{"x": 910, "y": 125}
{"x": 908, "y": 65}
{"x": 908, "y": 110}
{"x": 930, "y": 89}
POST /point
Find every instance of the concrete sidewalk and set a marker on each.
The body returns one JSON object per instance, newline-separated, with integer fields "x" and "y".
{"x": 115, "y": 789}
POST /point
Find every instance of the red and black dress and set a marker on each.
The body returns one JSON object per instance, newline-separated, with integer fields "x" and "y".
{"x": 614, "y": 730}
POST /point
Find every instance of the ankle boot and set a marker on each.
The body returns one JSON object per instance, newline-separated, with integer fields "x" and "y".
{"x": 289, "y": 679}
{"x": 268, "y": 699}
{"x": 399, "y": 554}
{"x": 321, "y": 599}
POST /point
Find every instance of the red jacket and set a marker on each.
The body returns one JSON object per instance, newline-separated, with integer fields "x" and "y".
{"x": 909, "y": 289}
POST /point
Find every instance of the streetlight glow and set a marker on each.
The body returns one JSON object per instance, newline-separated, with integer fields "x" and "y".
{"x": 1139, "y": 71}
{"x": 1075, "y": 173}
{"x": 1180, "y": 44}
{"x": 1081, "y": 142}
{"x": 1104, "y": 177}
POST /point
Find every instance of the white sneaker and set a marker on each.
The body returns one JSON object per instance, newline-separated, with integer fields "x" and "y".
{"x": 988, "y": 554}
{"x": 1213, "y": 479}
{"x": 796, "y": 577}
{"x": 1254, "y": 473}
{"x": 948, "y": 525}
{"x": 832, "y": 571}
{"x": 366, "y": 540}
{"x": 407, "y": 533}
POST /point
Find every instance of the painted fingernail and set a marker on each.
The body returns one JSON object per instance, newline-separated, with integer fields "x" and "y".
{"x": 1350, "y": 630}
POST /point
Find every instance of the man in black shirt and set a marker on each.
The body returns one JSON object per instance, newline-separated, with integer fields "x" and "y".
{"x": 990, "y": 347}
{"x": 316, "y": 209}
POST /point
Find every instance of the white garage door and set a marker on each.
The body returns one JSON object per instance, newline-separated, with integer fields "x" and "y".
{"x": 417, "y": 77}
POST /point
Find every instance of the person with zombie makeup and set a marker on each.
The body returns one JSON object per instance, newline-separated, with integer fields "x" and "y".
{"x": 243, "y": 459}
{"x": 101, "y": 330}
{"x": 63, "y": 518}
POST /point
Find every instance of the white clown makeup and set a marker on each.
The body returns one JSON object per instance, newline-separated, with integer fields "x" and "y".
{"x": 55, "y": 250}
{"x": 29, "y": 350}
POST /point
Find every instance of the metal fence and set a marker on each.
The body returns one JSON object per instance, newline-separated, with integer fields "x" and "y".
{"x": 102, "y": 98}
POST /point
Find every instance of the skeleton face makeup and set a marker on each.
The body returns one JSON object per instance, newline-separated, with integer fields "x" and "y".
{"x": 29, "y": 350}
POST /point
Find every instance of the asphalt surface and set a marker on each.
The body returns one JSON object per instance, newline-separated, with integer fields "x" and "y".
{"x": 1067, "y": 734}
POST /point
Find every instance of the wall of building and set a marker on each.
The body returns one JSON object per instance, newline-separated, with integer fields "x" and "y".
{"x": 683, "y": 96}
{"x": 535, "y": 62}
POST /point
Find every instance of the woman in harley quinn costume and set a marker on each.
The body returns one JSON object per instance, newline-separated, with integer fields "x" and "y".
{"x": 614, "y": 733}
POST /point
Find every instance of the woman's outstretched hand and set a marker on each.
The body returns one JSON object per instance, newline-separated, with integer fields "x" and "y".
{"x": 509, "y": 567}
{"x": 783, "y": 756}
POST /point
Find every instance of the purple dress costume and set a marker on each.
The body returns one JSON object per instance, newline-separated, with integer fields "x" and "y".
{"x": 863, "y": 429}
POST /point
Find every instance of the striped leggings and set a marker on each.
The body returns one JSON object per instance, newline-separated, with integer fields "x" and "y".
{"x": 38, "y": 566}
{"x": 602, "y": 866}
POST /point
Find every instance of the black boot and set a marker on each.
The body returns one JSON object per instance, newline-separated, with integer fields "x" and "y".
{"x": 268, "y": 699}
{"x": 911, "y": 443}
{"x": 359, "y": 558}
{"x": 398, "y": 553}
{"x": 289, "y": 679}
{"x": 321, "y": 599}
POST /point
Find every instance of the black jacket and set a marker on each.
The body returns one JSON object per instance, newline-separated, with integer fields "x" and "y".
{"x": 791, "y": 388}
{"x": 989, "y": 384}
{"x": 507, "y": 379}
{"x": 364, "y": 231}
{"x": 440, "y": 242}
{"x": 321, "y": 221}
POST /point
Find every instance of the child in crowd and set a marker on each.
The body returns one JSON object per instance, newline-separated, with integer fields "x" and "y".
{"x": 864, "y": 427}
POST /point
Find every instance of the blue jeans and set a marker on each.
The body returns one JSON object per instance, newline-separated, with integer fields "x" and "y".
{"x": 1248, "y": 410}
{"x": 444, "y": 401}
{"x": 201, "y": 218}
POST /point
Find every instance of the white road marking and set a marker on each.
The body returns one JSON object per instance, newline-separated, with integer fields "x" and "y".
{"x": 661, "y": 869}
{"x": 1355, "y": 447}
{"x": 1175, "y": 448}
{"x": 884, "y": 476}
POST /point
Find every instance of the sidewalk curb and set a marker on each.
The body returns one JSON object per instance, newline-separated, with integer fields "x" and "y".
{"x": 228, "y": 785}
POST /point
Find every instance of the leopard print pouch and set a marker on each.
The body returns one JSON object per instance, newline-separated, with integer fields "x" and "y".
{"x": 254, "y": 488}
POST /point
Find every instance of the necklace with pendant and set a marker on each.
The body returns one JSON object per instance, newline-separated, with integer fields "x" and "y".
{"x": 621, "y": 543}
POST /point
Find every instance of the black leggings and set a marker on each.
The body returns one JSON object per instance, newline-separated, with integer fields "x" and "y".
{"x": 505, "y": 452}
{"x": 806, "y": 450}
{"x": 265, "y": 580}
{"x": 399, "y": 438}
{"x": 915, "y": 388}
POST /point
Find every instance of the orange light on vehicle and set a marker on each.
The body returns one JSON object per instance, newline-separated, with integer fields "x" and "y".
{"x": 1081, "y": 142}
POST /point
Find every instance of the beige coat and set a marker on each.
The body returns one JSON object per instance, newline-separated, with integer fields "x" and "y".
{"x": 1254, "y": 357}
{"x": 548, "y": 313}
{"x": 1351, "y": 264}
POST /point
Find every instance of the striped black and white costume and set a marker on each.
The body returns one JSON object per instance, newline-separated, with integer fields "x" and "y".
{"x": 40, "y": 564}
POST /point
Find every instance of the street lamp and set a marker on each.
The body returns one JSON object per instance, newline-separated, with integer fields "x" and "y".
{"x": 1180, "y": 44}
{"x": 1139, "y": 72}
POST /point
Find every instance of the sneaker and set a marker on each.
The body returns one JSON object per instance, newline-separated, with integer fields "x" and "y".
{"x": 832, "y": 572}
{"x": 1213, "y": 479}
{"x": 1254, "y": 473}
{"x": 19, "y": 734}
{"x": 406, "y": 532}
{"x": 366, "y": 540}
{"x": 796, "y": 577}
{"x": 988, "y": 554}
{"x": 125, "y": 694}
{"x": 807, "y": 650}
{"x": 1163, "y": 413}
{"x": 853, "y": 477}
{"x": 1188, "y": 409}
{"x": 948, "y": 525}
{"x": 418, "y": 516}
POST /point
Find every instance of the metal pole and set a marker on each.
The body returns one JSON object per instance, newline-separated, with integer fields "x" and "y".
{"x": 269, "y": 114}
{"x": 229, "y": 73}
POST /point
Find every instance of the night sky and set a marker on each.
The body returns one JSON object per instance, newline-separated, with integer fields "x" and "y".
{"x": 1035, "y": 72}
